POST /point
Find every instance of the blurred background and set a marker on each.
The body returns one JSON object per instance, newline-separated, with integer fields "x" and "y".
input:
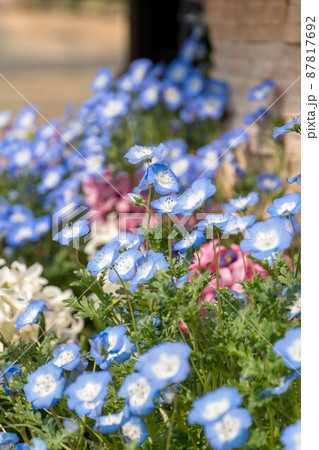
{"x": 51, "y": 49}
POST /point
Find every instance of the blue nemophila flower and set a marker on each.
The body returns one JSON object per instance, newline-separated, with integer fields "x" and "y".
{"x": 213, "y": 405}
{"x": 6, "y": 375}
{"x": 194, "y": 197}
{"x": 279, "y": 131}
{"x": 213, "y": 220}
{"x": 209, "y": 156}
{"x": 25, "y": 118}
{"x": 45, "y": 386}
{"x": 252, "y": 116}
{"x": 192, "y": 240}
{"x": 289, "y": 348}
{"x": 172, "y": 95}
{"x": 67, "y": 356}
{"x": 31, "y": 314}
{"x": 19, "y": 234}
{"x": 234, "y": 138}
{"x": 167, "y": 394}
{"x": 124, "y": 266}
{"x": 42, "y": 225}
{"x": 286, "y": 205}
{"x": 139, "y": 153}
{"x": 265, "y": 238}
{"x": 147, "y": 266}
{"x": 179, "y": 283}
{"x": 291, "y": 437}
{"x": 194, "y": 83}
{"x": 175, "y": 148}
{"x": 87, "y": 394}
{"x": 103, "y": 258}
{"x": 51, "y": 179}
{"x": 149, "y": 94}
{"x": 8, "y": 440}
{"x": 268, "y": 182}
{"x": 261, "y": 92}
{"x": 210, "y": 106}
{"x": 139, "y": 393}
{"x": 135, "y": 430}
{"x": 230, "y": 431}
{"x": 110, "y": 344}
{"x": 177, "y": 70}
{"x": 129, "y": 240}
{"x": 239, "y": 204}
{"x": 38, "y": 444}
{"x": 103, "y": 80}
{"x": 162, "y": 178}
{"x": 111, "y": 422}
{"x": 164, "y": 205}
{"x": 283, "y": 385}
{"x": 165, "y": 363}
{"x": 68, "y": 234}
{"x": 70, "y": 426}
{"x": 295, "y": 179}
{"x": 113, "y": 105}
{"x": 238, "y": 224}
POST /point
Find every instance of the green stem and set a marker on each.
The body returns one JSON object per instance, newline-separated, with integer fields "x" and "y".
{"x": 170, "y": 430}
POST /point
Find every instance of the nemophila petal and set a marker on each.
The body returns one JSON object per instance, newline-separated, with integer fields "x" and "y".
{"x": 192, "y": 240}
{"x": 236, "y": 137}
{"x": 210, "y": 106}
{"x": 19, "y": 214}
{"x": 135, "y": 430}
{"x": 164, "y": 205}
{"x": 125, "y": 265}
{"x": 168, "y": 394}
{"x": 283, "y": 385}
{"x": 175, "y": 148}
{"x": 78, "y": 229}
{"x": 295, "y": 179}
{"x": 109, "y": 341}
{"x": 261, "y": 92}
{"x": 67, "y": 356}
{"x": 7, "y": 373}
{"x": 145, "y": 270}
{"x": 31, "y": 314}
{"x": 8, "y": 440}
{"x": 113, "y": 105}
{"x": 111, "y": 422}
{"x": 20, "y": 234}
{"x": 163, "y": 179}
{"x": 45, "y": 386}
{"x": 158, "y": 259}
{"x": 194, "y": 197}
{"x": 286, "y": 205}
{"x": 149, "y": 94}
{"x": 38, "y": 444}
{"x": 139, "y": 153}
{"x": 279, "y": 131}
{"x": 165, "y": 363}
{"x": 291, "y": 437}
{"x": 138, "y": 70}
{"x": 238, "y": 204}
{"x": 254, "y": 116}
{"x": 179, "y": 283}
{"x": 177, "y": 70}
{"x": 139, "y": 393}
{"x": 103, "y": 80}
{"x": 87, "y": 394}
{"x": 230, "y": 431}
{"x": 194, "y": 83}
{"x": 238, "y": 224}
{"x": 213, "y": 220}
{"x": 289, "y": 348}
{"x": 265, "y": 238}
{"x": 213, "y": 405}
{"x": 129, "y": 240}
{"x": 103, "y": 258}
{"x": 123, "y": 354}
{"x": 42, "y": 225}
{"x": 268, "y": 182}
{"x": 26, "y": 118}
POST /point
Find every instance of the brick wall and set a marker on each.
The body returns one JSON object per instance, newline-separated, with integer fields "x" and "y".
{"x": 255, "y": 40}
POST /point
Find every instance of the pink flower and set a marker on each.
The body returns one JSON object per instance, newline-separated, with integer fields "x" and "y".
{"x": 231, "y": 267}
{"x": 101, "y": 196}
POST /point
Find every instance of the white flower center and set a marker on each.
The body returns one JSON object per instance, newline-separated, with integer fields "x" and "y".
{"x": 266, "y": 240}
{"x": 51, "y": 179}
{"x": 64, "y": 358}
{"x": 23, "y": 233}
{"x": 30, "y": 315}
{"x": 194, "y": 199}
{"x": 112, "y": 419}
{"x": 45, "y": 385}
{"x": 239, "y": 202}
{"x": 167, "y": 366}
{"x": 168, "y": 204}
{"x": 227, "y": 428}
{"x": 89, "y": 392}
{"x": 164, "y": 178}
{"x": 286, "y": 207}
{"x": 141, "y": 153}
{"x": 23, "y": 157}
{"x": 133, "y": 432}
{"x": 139, "y": 392}
{"x": 124, "y": 264}
{"x": 113, "y": 108}
{"x": 215, "y": 409}
{"x": 179, "y": 167}
{"x": 171, "y": 94}
{"x": 210, "y": 106}
{"x": 294, "y": 350}
{"x": 104, "y": 259}
{"x": 151, "y": 93}
{"x": 71, "y": 231}
{"x": 100, "y": 81}
{"x": 269, "y": 183}
{"x": 297, "y": 441}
